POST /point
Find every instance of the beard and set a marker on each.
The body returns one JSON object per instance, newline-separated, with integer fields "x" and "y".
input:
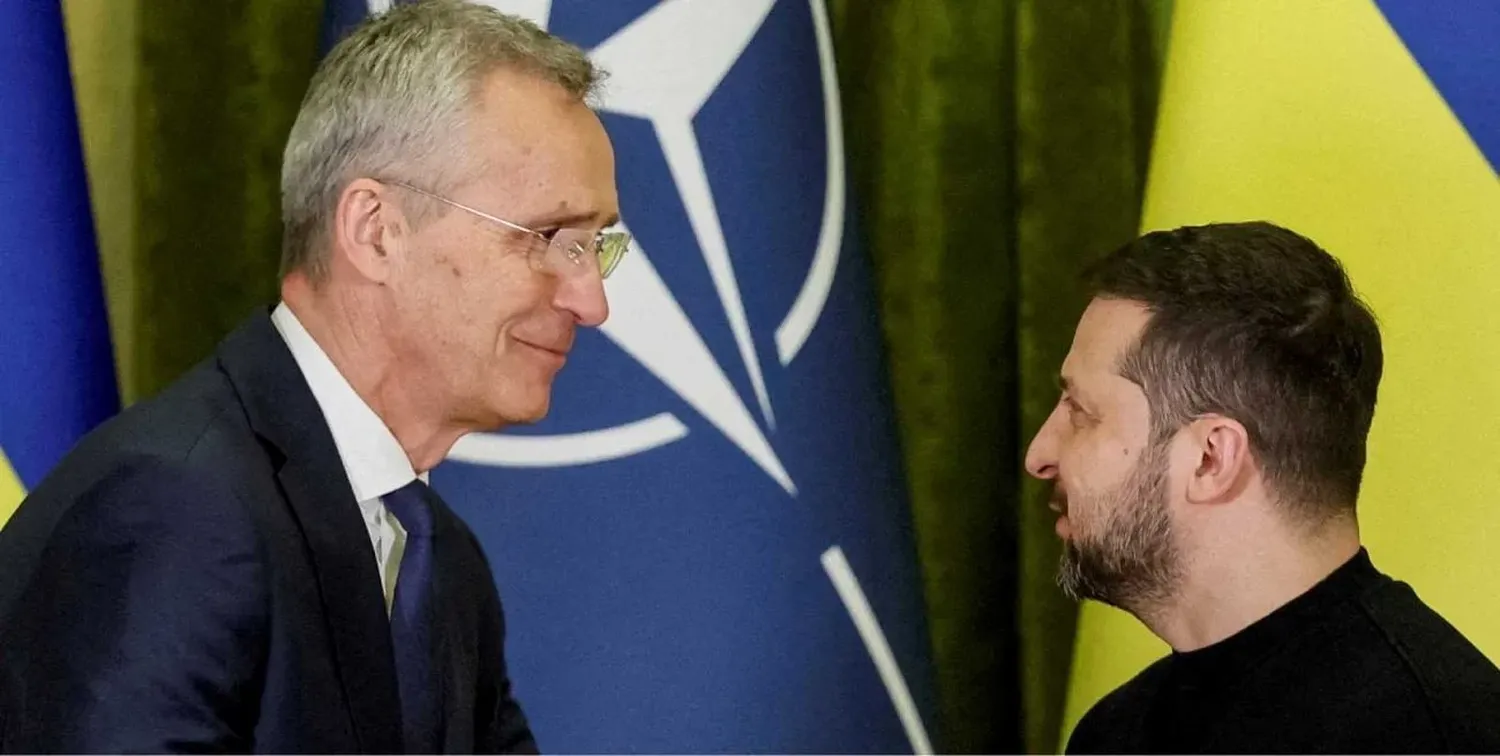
{"x": 1131, "y": 561}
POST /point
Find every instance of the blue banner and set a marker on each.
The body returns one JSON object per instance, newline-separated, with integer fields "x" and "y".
{"x": 706, "y": 546}
{"x": 58, "y": 379}
{"x": 1457, "y": 49}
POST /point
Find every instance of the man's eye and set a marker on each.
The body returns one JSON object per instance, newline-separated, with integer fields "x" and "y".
{"x": 1076, "y": 413}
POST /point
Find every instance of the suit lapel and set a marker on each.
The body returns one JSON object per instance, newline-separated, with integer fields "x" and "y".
{"x": 281, "y": 408}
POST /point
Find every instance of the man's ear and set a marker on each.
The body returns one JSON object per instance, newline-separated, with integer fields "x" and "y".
{"x": 363, "y": 221}
{"x": 1224, "y": 463}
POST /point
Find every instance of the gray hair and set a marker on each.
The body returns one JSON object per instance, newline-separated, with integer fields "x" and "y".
{"x": 393, "y": 98}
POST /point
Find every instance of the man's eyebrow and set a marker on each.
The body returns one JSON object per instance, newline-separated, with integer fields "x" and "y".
{"x": 574, "y": 219}
{"x": 1068, "y": 386}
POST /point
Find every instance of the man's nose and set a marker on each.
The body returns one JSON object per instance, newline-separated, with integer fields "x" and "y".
{"x": 583, "y": 296}
{"x": 1041, "y": 455}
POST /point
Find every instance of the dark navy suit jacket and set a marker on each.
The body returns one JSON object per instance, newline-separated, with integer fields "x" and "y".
{"x": 196, "y": 576}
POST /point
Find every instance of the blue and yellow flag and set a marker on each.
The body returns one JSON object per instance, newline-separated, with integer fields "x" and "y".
{"x": 1373, "y": 128}
{"x": 58, "y": 378}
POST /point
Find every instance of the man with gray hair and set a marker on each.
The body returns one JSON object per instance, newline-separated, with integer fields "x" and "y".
{"x": 252, "y": 560}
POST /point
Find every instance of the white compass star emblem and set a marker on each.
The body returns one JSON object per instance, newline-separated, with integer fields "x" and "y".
{"x": 661, "y": 74}
{"x": 663, "y": 67}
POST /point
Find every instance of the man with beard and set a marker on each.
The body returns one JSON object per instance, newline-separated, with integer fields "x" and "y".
{"x": 1206, "y": 455}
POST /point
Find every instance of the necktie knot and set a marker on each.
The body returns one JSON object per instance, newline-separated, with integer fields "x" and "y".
{"x": 409, "y": 506}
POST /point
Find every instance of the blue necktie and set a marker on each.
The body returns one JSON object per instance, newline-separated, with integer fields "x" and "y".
{"x": 412, "y": 621}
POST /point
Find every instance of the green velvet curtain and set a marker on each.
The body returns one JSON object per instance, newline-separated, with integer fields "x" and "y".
{"x": 220, "y": 83}
{"x": 995, "y": 146}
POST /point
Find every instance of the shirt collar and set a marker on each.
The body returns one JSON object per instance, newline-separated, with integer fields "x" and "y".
{"x": 372, "y": 457}
{"x": 1226, "y": 661}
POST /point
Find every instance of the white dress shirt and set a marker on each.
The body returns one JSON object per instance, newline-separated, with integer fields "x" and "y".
{"x": 373, "y": 459}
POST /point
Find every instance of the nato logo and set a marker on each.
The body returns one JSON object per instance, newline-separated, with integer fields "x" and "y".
{"x": 706, "y": 545}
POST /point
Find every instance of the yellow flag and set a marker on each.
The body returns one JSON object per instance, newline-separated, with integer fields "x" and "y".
{"x": 11, "y": 491}
{"x": 1341, "y": 121}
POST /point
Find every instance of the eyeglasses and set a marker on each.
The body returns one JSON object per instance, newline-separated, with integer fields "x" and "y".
{"x": 605, "y": 248}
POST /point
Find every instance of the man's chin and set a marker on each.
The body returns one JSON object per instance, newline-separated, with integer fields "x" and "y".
{"x": 1069, "y": 577}
{"x": 528, "y": 414}
{"x": 1124, "y": 582}
{"x": 1080, "y": 578}
{"x": 503, "y": 412}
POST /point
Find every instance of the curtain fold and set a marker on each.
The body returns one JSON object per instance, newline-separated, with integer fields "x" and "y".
{"x": 1087, "y": 79}
{"x": 929, "y": 90}
{"x": 219, "y": 86}
{"x": 996, "y": 148}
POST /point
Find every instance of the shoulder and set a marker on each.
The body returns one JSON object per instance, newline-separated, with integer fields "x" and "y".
{"x": 194, "y": 434}
{"x": 151, "y": 505}
{"x": 186, "y": 425}
{"x": 185, "y": 422}
{"x": 1458, "y": 685}
{"x": 166, "y": 472}
{"x": 1110, "y": 724}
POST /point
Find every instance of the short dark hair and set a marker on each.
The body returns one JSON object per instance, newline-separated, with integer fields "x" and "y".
{"x": 1260, "y": 324}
